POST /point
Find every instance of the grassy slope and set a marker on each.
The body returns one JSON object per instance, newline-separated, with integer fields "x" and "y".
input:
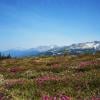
{"x": 77, "y": 77}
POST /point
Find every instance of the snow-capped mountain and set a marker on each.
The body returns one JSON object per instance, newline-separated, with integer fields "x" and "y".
{"x": 87, "y": 47}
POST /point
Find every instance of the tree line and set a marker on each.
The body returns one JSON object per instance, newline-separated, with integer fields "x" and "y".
{"x": 4, "y": 56}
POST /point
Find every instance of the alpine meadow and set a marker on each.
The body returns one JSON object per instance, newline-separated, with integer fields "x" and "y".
{"x": 49, "y": 49}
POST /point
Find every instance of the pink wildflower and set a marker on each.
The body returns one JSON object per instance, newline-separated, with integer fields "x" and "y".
{"x": 55, "y": 98}
{"x": 16, "y": 69}
{"x": 95, "y": 98}
{"x": 65, "y": 98}
{"x": 49, "y": 98}
{"x": 43, "y": 79}
{"x": 88, "y": 63}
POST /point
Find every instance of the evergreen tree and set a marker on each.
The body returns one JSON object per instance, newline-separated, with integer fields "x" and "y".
{"x": 9, "y": 56}
{"x": 0, "y": 55}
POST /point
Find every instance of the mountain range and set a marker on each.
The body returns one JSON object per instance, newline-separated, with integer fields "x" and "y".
{"x": 87, "y": 47}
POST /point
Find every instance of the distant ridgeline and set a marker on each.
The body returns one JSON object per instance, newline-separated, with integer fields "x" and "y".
{"x": 53, "y": 52}
{"x": 74, "y": 49}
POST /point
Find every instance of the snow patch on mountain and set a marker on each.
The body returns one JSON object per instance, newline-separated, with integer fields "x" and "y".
{"x": 87, "y": 45}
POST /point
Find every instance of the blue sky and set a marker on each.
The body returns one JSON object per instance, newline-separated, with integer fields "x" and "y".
{"x": 31, "y": 23}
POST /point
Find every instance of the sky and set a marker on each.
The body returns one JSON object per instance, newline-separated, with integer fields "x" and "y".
{"x": 32, "y": 23}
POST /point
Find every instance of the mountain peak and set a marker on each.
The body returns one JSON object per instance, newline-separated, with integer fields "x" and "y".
{"x": 53, "y": 49}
